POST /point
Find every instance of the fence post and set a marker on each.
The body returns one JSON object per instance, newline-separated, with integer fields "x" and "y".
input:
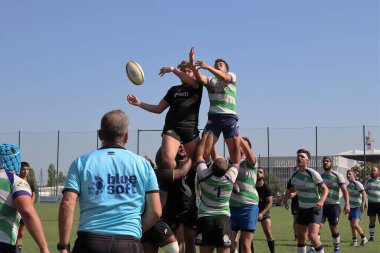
{"x": 56, "y": 182}
{"x": 19, "y": 139}
{"x": 316, "y": 148}
{"x": 268, "y": 155}
{"x": 364, "y": 155}
{"x": 138, "y": 141}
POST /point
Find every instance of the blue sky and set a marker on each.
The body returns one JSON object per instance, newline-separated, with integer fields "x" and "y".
{"x": 298, "y": 63}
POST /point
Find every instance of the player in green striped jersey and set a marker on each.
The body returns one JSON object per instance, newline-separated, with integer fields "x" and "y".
{"x": 372, "y": 187}
{"x": 331, "y": 209}
{"x": 308, "y": 183}
{"x": 357, "y": 206}
{"x": 222, "y": 115}
{"x": 213, "y": 225}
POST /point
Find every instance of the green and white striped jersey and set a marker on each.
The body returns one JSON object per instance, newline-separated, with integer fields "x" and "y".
{"x": 354, "y": 191}
{"x": 307, "y": 183}
{"x": 333, "y": 181}
{"x": 373, "y": 188}
{"x": 11, "y": 187}
{"x": 215, "y": 191}
{"x": 222, "y": 95}
{"x": 246, "y": 180}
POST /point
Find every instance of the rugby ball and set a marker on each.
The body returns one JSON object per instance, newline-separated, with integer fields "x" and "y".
{"x": 134, "y": 72}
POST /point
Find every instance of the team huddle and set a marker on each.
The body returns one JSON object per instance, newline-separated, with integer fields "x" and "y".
{"x": 191, "y": 196}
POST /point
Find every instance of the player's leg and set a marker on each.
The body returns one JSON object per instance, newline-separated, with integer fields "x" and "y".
{"x": 190, "y": 234}
{"x": 169, "y": 149}
{"x": 266, "y": 224}
{"x": 179, "y": 234}
{"x": 233, "y": 146}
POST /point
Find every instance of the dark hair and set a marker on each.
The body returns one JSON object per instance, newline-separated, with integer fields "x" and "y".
{"x": 114, "y": 125}
{"x": 221, "y": 60}
{"x": 248, "y": 141}
{"x": 25, "y": 164}
{"x": 304, "y": 151}
{"x": 219, "y": 167}
{"x": 183, "y": 64}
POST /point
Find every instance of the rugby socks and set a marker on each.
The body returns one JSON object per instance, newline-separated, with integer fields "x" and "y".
{"x": 354, "y": 241}
{"x": 336, "y": 241}
{"x": 270, "y": 246}
{"x": 371, "y": 232}
{"x": 301, "y": 248}
{"x": 320, "y": 249}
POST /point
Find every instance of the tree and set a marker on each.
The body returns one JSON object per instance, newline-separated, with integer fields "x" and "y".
{"x": 32, "y": 176}
{"x": 61, "y": 178}
{"x": 52, "y": 175}
{"x": 274, "y": 183}
{"x": 361, "y": 173}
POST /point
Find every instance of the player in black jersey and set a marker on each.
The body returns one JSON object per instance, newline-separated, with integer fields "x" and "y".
{"x": 265, "y": 203}
{"x": 181, "y": 122}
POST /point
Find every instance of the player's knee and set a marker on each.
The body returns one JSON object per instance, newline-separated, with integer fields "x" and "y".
{"x": 171, "y": 247}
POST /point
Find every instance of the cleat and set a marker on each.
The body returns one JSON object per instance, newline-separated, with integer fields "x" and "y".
{"x": 311, "y": 250}
{"x": 371, "y": 239}
{"x": 336, "y": 251}
{"x": 363, "y": 242}
{"x": 354, "y": 244}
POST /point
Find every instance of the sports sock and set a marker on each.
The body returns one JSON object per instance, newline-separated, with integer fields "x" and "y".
{"x": 336, "y": 241}
{"x": 301, "y": 248}
{"x": 271, "y": 246}
{"x": 372, "y": 231}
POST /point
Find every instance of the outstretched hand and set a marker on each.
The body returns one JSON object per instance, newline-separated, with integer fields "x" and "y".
{"x": 165, "y": 70}
{"x": 202, "y": 64}
{"x": 133, "y": 100}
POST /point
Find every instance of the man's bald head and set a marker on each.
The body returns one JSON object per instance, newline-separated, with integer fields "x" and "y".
{"x": 113, "y": 126}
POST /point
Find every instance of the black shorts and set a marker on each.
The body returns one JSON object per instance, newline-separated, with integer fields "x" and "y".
{"x": 95, "y": 243}
{"x": 176, "y": 214}
{"x": 331, "y": 213}
{"x": 8, "y": 248}
{"x": 307, "y": 216}
{"x": 373, "y": 209}
{"x": 294, "y": 207}
{"x": 182, "y": 134}
{"x": 214, "y": 231}
{"x": 266, "y": 216}
{"x": 157, "y": 234}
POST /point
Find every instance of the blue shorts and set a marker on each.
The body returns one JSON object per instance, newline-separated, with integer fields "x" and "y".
{"x": 244, "y": 218}
{"x": 355, "y": 213}
{"x": 223, "y": 123}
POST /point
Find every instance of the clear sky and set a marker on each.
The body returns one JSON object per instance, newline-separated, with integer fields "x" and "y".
{"x": 298, "y": 63}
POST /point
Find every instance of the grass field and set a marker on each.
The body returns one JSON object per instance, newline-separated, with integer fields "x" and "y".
{"x": 282, "y": 227}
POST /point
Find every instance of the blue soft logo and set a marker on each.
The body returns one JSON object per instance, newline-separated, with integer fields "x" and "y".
{"x": 97, "y": 186}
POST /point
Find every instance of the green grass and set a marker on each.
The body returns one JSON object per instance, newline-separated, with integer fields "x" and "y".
{"x": 282, "y": 227}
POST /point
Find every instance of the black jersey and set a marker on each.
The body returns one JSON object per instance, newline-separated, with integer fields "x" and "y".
{"x": 184, "y": 103}
{"x": 264, "y": 192}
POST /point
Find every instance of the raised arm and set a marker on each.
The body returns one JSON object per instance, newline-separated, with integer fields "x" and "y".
{"x": 184, "y": 77}
{"x": 219, "y": 74}
{"x": 247, "y": 151}
{"x": 201, "y": 78}
{"x": 148, "y": 107}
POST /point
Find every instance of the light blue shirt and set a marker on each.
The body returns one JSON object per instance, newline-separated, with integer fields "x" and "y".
{"x": 111, "y": 183}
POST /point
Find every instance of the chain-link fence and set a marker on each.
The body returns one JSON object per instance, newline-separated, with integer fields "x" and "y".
{"x": 60, "y": 148}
